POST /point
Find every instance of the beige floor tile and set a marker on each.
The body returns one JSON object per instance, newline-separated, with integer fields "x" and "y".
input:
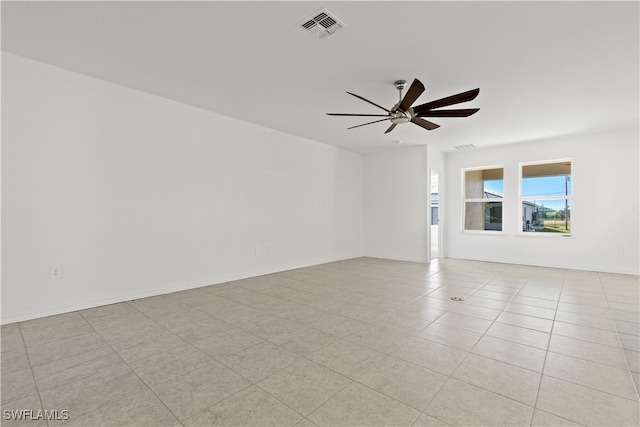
{"x": 197, "y": 330}
{"x": 431, "y": 355}
{"x": 589, "y": 374}
{"x": 629, "y": 328}
{"x": 421, "y": 310}
{"x": 599, "y": 336}
{"x": 528, "y": 322}
{"x": 305, "y": 423}
{"x": 471, "y": 324}
{"x": 120, "y": 321}
{"x": 404, "y": 324}
{"x": 586, "y": 320}
{"x": 122, "y": 337}
{"x": 544, "y": 419}
{"x": 169, "y": 364}
{"x": 12, "y": 361}
{"x": 235, "y": 314}
{"x": 17, "y": 385}
{"x": 530, "y": 310}
{"x": 269, "y": 327}
{"x": 404, "y": 381}
{"x": 379, "y": 339}
{"x": 258, "y": 362}
{"x": 536, "y": 302}
{"x": 387, "y": 324}
{"x": 594, "y": 352}
{"x": 191, "y": 393}
{"x": 519, "y": 335}
{"x": 347, "y": 358}
{"x": 584, "y": 309}
{"x": 492, "y": 304}
{"x": 14, "y": 417}
{"x": 64, "y": 348}
{"x": 358, "y": 405}
{"x": 435, "y": 303}
{"x": 585, "y": 405}
{"x": 37, "y": 337}
{"x": 428, "y": 421}
{"x": 447, "y": 335}
{"x": 70, "y": 369}
{"x": 503, "y": 379}
{"x": 12, "y": 342}
{"x": 624, "y": 316}
{"x": 629, "y": 342}
{"x": 53, "y": 323}
{"x": 138, "y": 410}
{"x": 227, "y": 342}
{"x": 304, "y": 386}
{"x": 84, "y": 396}
{"x": 307, "y": 315}
{"x": 303, "y": 340}
{"x": 153, "y": 344}
{"x": 475, "y": 311}
{"x": 458, "y": 403}
{"x": 250, "y": 407}
{"x": 500, "y": 296}
{"x": 512, "y": 353}
{"x": 633, "y": 360}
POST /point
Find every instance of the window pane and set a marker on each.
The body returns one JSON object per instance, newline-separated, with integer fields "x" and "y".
{"x": 483, "y": 184}
{"x": 548, "y": 216}
{"x": 546, "y": 180}
{"x": 483, "y": 216}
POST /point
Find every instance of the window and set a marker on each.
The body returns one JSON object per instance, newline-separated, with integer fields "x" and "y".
{"x": 483, "y": 197}
{"x": 545, "y": 197}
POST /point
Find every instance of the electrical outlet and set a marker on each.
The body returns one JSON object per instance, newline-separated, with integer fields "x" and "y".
{"x": 256, "y": 250}
{"x": 622, "y": 250}
{"x": 55, "y": 272}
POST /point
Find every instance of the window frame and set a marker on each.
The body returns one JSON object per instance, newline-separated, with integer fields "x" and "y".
{"x": 466, "y": 200}
{"x": 521, "y": 198}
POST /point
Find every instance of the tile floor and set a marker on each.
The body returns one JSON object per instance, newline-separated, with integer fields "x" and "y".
{"x": 358, "y": 342}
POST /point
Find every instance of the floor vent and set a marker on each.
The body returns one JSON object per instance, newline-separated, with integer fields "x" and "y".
{"x": 321, "y": 24}
{"x": 464, "y": 147}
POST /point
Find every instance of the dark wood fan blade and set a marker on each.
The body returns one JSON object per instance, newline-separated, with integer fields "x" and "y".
{"x": 449, "y": 113}
{"x": 366, "y": 100}
{"x": 424, "y": 123}
{"x": 412, "y": 94}
{"x": 363, "y": 115}
{"x": 370, "y": 123}
{"x": 392, "y": 127}
{"x": 449, "y": 100}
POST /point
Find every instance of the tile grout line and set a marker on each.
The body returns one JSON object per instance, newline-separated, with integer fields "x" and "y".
{"x": 544, "y": 363}
{"x": 33, "y": 376}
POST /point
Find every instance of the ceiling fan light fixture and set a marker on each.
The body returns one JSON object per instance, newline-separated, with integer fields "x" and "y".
{"x": 399, "y": 119}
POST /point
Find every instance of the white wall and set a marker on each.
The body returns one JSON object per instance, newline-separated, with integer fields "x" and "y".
{"x": 604, "y": 211}
{"x": 396, "y": 204}
{"x": 135, "y": 195}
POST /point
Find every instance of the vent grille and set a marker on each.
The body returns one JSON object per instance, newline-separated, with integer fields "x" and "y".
{"x": 464, "y": 147}
{"x": 322, "y": 24}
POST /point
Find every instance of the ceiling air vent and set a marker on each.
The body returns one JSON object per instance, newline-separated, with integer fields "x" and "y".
{"x": 464, "y": 147}
{"x": 321, "y": 24}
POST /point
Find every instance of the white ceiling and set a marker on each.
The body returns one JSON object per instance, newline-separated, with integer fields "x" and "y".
{"x": 544, "y": 69}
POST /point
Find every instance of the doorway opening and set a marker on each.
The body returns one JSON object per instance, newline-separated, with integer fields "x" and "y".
{"x": 435, "y": 216}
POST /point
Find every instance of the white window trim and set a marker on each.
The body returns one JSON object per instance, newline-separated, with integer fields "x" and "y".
{"x": 520, "y": 231}
{"x": 465, "y": 200}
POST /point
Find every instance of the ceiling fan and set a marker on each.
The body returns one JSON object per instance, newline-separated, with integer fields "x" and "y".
{"x": 403, "y": 112}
